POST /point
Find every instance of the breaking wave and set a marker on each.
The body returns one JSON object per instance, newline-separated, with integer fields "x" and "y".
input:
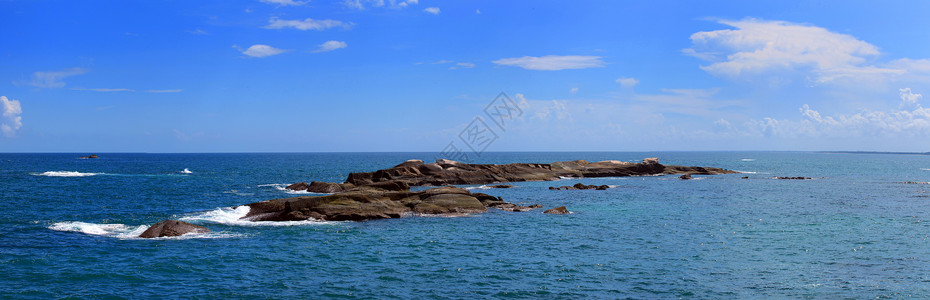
{"x": 233, "y": 216}
{"x": 65, "y": 174}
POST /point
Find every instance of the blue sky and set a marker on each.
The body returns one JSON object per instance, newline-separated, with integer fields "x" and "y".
{"x": 296, "y": 76}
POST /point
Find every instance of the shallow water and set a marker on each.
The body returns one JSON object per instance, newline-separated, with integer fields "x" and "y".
{"x": 854, "y": 230}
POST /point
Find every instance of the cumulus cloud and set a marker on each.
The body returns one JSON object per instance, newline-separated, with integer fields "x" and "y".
{"x": 53, "y": 79}
{"x": 284, "y": 2}
{"x": 909, "y": 120}
{"x": 432, "y": 10}
{"x": 361, "y": 4}
{"x": 262, "y": 51}
{"x": 757, "y": 46}
{"x": 12, "y": 121}
{"x": 553, "y": 62}
{"x": 306, "y": 24}
{"x": 330, "y": 46}
{"x": 627, "y": 82}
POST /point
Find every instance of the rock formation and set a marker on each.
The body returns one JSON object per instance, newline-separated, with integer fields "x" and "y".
{"x": 448, "y": 172}
{"x": 561, "y": 210}
{"x": 368, "y": 203}
{"x": 581, "y": 186}
{"x": 171, "y": 228}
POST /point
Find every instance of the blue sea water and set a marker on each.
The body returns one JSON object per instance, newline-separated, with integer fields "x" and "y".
{"x": 855, "y": 230}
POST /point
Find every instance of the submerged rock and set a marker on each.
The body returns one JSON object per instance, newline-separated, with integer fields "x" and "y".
{"x": 501, "y": 186}
{"x": 171, "y": 228}
{"x": 685, "y": 177}
{"x": 561, "y": 210}
{"x": 581, "y": 186}
{"x": 793, "y": 178}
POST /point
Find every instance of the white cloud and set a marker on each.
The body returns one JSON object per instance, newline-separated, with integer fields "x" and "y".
{"x": 330, "y": 46}
{"x": 442, "y": 62}
{"x": 164, "y": 91}
{"x": 104, "y": 90}
{"x": 307, "y": 24}
{"x": 477, "y": 11}
{"x": 360, "y": 4}
{"x": 757, "y": 46}
{"x": 12, "y": 121}
{"x": 467, "y": 65}
{"x": 553, "y": 62}
{"x": 53, "y": 79}
{"x": 627, "y": 82}
{"x": 284, "y": 2}
{"x": 432, "y": 10}
{"x": 574, "y": 90}
{"x": 262, "y": 51}
{"x": 909, "y": 120}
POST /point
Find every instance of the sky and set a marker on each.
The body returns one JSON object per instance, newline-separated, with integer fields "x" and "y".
{"x": 409, "y": 75}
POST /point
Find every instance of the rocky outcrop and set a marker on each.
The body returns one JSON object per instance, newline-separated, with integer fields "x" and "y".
{"x": 367, "y": 203}
{"x": 321, "y": 187}
{"x": 501, "y": 186}
{"x": 685, "y": 177}
{"x": 89, "y": 156}
{"x": 793, "y": 178}
{"x": 581, "y": 186}
{"x": 448, "y": 172}
{"x": 172, "y": 228}
{"x": 561, "y": 210}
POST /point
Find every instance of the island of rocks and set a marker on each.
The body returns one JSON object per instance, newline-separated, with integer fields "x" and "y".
{"x": 386, "y": 193}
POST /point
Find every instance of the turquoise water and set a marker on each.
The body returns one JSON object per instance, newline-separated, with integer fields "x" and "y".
{"x": 855, "y": 230}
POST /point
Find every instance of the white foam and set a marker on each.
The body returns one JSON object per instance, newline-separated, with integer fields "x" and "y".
{"x": 746, "y": 172}
{"x": 122, "y": 231}
{"x": 65, "y": 174}
{"x": 186, "y": 171}
{"x": 111, "y": 230}
{"x": 233, "y": 216}
{"x": 748, "y": 159}
{"x": 924, "y": 169}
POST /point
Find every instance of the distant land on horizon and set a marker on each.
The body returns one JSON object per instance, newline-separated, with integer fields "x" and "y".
{"x": 875, "y": 152}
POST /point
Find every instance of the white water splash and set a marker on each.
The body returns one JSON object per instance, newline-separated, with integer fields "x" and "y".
{"x": 65, "y": 174}
{"x": 233, "y": 216}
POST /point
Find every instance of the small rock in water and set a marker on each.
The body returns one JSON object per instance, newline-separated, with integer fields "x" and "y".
{"x": 685, "y": 177}
{"x": 171, "y": 228}
{"x": 561, "y": 210}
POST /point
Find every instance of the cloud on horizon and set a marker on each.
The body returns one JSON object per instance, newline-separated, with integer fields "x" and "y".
{"x": 553, "y": 62}
{"x": 360, "y": 4}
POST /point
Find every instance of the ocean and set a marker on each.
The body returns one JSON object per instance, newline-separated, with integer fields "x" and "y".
{"x": 858, "y": 228}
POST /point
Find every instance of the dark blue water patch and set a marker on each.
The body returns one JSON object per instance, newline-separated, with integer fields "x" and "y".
{"x": 855, "y": 230}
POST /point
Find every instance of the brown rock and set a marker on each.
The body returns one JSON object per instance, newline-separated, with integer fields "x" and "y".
{"x": 171, "y": 228}
{"x": 685, "y": 177}
{"x": 561, "y": 210}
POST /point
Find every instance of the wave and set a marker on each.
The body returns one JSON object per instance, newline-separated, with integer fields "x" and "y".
{"x": 65, "y": 174}
{"x": 110, "y": 230}
{"x": 748, "y": 159}
{"x": 924, "y": 169}
{"x": 233, "y": 216}
{"x": 186, "y": 171}
{"x": 123, "y": 231}
{"x": 283, "y": 187}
